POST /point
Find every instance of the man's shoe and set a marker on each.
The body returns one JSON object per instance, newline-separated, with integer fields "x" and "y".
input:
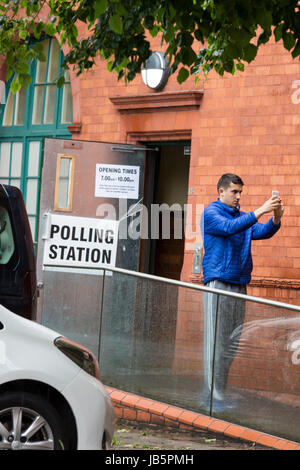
{"x": 225, "y": 404}
{"x": 218, "y": 396}
{"x": 218, "y": 406}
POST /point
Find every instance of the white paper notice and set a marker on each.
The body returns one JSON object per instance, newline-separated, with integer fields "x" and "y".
{"x": 117, "y": 181}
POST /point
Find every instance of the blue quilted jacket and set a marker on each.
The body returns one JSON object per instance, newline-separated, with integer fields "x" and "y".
{"x": 227, "y": 234}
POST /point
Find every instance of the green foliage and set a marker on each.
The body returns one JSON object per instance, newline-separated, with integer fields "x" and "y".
{"x": 197, "y": 35}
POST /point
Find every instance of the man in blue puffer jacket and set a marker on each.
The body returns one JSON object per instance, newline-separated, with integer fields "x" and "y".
{"x": 227, "y": 264}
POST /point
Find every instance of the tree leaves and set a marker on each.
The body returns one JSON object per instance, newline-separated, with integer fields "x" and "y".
{"x": 198, "y": 35}
{"x": 115, "y": 24}
{"x": 278, "y": 32}
{"x": 182, "y": 75}
{"x": 100, "y": 7}
{"x": 249, "y": 52}
{"x": 288, "y": 40}
{"x": 15, "y": 85}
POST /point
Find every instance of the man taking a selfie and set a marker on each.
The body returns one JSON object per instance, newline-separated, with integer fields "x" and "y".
{"x": 227, "y": 265}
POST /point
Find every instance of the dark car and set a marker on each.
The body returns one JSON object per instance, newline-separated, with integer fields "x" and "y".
{"x": 17, "y": 258}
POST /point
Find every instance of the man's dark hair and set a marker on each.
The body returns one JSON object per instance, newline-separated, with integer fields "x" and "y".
{"x": 225, "y": 180}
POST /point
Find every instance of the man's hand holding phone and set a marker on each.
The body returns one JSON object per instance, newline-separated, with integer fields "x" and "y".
{"x": 278, "y": 212}
{"x": 272, "y": 204}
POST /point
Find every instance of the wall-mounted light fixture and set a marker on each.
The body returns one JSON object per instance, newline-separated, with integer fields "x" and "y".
{"x": 155, "y": 72}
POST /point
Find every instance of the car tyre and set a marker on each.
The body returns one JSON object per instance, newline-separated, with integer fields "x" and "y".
{"x": 28, "y": 421}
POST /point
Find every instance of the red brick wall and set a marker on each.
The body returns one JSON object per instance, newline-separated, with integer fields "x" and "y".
{"x": 246, "y": 124}
{"x": 249, "y": 125}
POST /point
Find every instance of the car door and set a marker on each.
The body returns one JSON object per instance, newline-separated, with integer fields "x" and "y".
{"x": 17, "y": 259}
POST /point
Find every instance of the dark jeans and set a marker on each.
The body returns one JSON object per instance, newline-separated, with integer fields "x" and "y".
{"x": 220, "y": 347}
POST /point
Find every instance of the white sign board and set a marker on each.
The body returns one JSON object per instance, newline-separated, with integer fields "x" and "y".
{"x": 80, "y": 242}
{"x": 117, "y": 181}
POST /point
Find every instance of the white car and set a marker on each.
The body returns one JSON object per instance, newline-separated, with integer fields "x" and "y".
{"x": 51, "y": 396}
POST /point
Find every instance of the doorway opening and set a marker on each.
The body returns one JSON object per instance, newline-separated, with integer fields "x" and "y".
{"x": 166, "y": 192}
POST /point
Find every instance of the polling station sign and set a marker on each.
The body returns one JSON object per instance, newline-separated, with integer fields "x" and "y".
{"x": 80, "y": 242}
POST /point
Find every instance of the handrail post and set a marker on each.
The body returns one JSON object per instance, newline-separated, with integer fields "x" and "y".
{"x": 101, "y": 315}
{"x": 214, "y": 356}
{"x": 250, "y": 298}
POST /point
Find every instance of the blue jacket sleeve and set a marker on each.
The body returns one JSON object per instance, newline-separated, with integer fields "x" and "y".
{"x": 264, "y": 231}
{"x": 218, "y": 225}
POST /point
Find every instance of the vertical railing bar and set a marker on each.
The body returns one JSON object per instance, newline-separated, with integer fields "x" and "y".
{"x": 101, "y": 316}
{"x": 214, "y": 357}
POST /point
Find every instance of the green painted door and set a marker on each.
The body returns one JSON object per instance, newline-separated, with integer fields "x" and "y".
{"x": 27, "y": 117}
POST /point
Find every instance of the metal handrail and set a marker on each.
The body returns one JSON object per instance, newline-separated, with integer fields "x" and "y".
{"x": 250, "y": 298}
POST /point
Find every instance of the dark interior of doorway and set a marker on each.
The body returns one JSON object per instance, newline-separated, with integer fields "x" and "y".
{"x": 166, "y": 182}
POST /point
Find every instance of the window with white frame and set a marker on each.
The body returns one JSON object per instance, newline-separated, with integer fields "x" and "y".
{"x": 33, "y": 113}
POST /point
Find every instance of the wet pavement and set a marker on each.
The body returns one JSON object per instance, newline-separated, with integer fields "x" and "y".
{"x": 145, "y": 437}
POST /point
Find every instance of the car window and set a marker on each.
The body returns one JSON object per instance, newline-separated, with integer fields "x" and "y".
{"x": 7, "y": 244}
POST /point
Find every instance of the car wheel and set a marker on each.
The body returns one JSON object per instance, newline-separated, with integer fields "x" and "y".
{"x": 28, "y": 421}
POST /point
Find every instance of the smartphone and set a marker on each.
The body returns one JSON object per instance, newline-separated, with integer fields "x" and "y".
{"x": 275, "y": 193}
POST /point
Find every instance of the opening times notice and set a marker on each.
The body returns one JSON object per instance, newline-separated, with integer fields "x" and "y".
{"x": 117, "y": 181}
